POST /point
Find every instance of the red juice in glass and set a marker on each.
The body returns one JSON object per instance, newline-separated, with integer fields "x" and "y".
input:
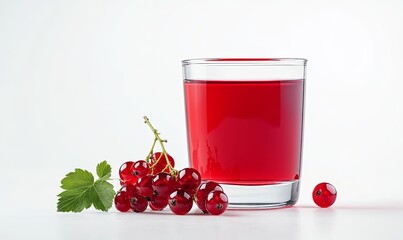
{"x": 247, "y": 135}
{"x": 245, "y": 132}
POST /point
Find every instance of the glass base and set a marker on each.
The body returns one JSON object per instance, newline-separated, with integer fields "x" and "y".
{"x": 278, "y": 195}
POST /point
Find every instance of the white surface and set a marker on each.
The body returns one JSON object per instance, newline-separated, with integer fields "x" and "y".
{"x": 302, "y": 222}
{"x": 77, "y": 76}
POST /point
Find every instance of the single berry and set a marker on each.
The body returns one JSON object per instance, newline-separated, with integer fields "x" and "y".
{"x": 217, "y": 202}
{"x": 138, "y": 203}
{"x": 159, "y": 162}
{"x": 189, "y": 179}
{"x": 129, "y": 188}
{"x": 158, "y": 203}
{"x": 164, "y": 184}
{"x": 144, "y": 186}
{"x": 126, "y": 173}
{"x": 180, "y": 202}
{"x": 122, "y": 201}
{"x": 324, "y": 195}
{"x": 202, "y": 192}
{"x": 141, "y": 168}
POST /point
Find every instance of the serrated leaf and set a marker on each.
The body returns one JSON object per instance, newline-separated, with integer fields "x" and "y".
{"x": 102, "y": 195}
{"x": 78, "y": 178}
{"x": 74, "y": 200}
{"x": 104, "y": 170}
{"x": 76, "y": 196}
{"x": 81, "y": 192}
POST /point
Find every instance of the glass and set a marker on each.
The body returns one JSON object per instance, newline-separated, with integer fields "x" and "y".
{"x": 244, "y": 127}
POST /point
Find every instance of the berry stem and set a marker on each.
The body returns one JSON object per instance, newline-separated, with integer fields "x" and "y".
{"x": 151, "y": 151}
{"x": 161, "y": 142}
{"x": 113, "y": 179}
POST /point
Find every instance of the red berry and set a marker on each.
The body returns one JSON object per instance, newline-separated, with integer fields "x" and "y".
{"x": 159, "y": 162}
{"x": 324, "y": 195}
{"x": 138, "y": 203}
{"x": 141, "y": 168}
{"x": 202, "y": 192}
{"x": 180, "y": 202}
{"x": 217, "y": 202}
{"x": 122, "y": 201}
{"x": 189, "y": 179}
{"x": 164, "y": 184}
{"x": 158, "y": 203}
{"x": 126, "y": 173}
{"x": 144, "y": 186}
{"x": 129, "y": 188}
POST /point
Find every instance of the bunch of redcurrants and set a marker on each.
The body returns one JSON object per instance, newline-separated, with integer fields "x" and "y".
{"x": 156, "y": 185}
{"x": 155, "y": 182}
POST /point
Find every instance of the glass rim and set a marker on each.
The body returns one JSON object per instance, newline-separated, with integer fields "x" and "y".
{"x": 247, "y": 61}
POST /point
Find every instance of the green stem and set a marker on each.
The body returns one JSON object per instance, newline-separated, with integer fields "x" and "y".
{"x": 161, "y": 142}
{"x": 112, "y": 179}
{"x": 151, "y": 151}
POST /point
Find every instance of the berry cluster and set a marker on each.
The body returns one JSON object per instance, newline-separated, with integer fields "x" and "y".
{"x": 155, "y": 182}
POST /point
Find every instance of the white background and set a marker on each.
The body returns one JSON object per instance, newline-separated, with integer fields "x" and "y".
{"x": 76, "y": 77}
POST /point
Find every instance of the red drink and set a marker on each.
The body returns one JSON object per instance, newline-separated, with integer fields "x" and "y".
{"x": 245, "y": 132}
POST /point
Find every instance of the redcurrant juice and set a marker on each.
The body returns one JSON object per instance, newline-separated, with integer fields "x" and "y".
{"x": 245, "y": 132}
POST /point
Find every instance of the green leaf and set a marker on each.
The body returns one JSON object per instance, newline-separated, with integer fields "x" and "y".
{"x": 81, "y": 192}
{"x": 74, "y": 200}
{"x": 76, "y": 196}
{"x": 104, "y": 170}
{"x": 78, "y": 178}
{"x": 102, "y": 195}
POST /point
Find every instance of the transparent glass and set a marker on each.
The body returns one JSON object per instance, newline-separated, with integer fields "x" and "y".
{"x": 244, "y": 127}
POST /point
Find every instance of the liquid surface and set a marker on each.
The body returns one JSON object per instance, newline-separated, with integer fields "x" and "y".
{"x": 245, "y": 132}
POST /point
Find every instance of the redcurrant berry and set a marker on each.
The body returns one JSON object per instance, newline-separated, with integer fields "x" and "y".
{"x": 158, "y": 203}
{"x": 126, "y": 173}
{"x": 164, "y": 184}
{"x": 138, "y": 203}
{"x": 324, "y": 195}
{"x": 189, "y": 179}
{"x": 129, "y": 188}
{"x": 217, "y": 202}
{"x": 144, "y": 186}
{"x": 159, "y": 162}
{"x": 180, "y": 202}
{"x": 122, "y": 201}
{"x": 141, "y": 168}
{"x": 202, "y": 192}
